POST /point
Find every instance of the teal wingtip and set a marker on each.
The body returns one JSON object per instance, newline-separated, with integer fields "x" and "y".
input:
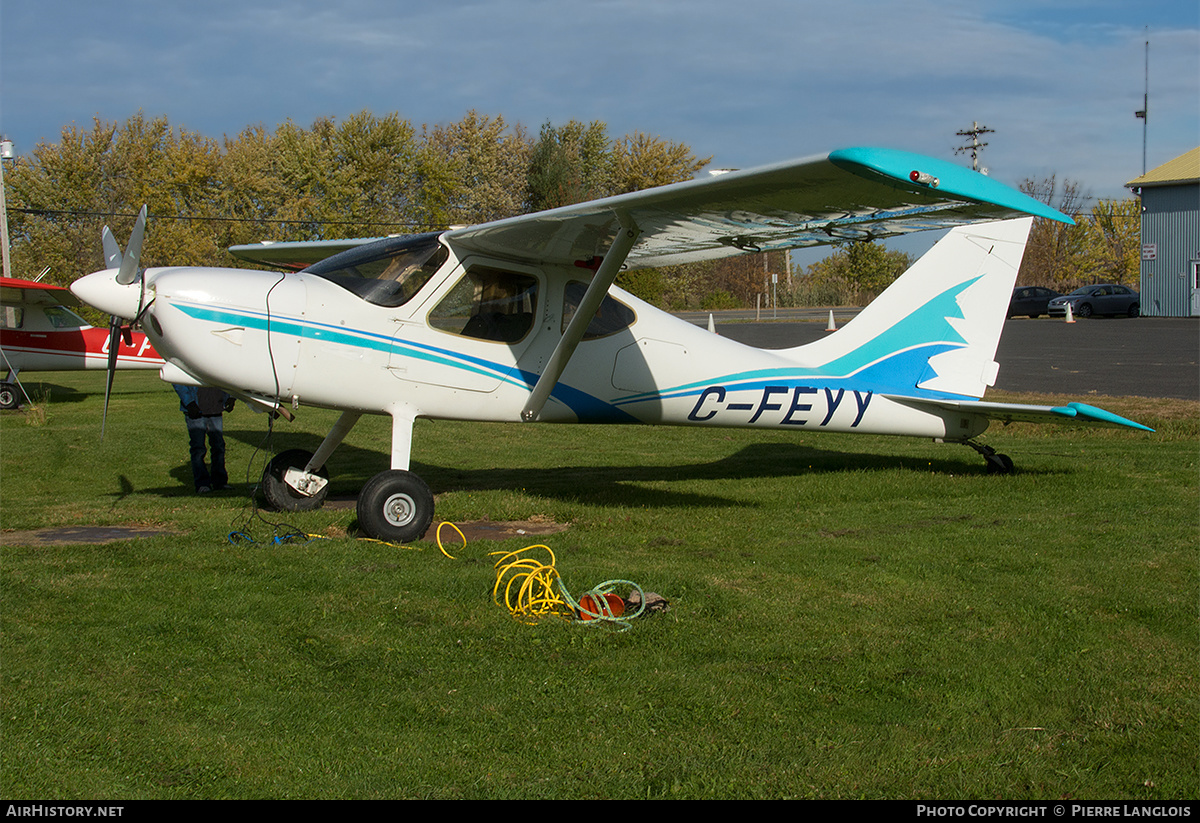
{"x": 951, "y": 179}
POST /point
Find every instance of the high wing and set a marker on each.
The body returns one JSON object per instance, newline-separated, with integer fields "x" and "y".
{"x": 296, "y": 255}
{"x": 13, "y": 291}
{"x": 850, "y": 194}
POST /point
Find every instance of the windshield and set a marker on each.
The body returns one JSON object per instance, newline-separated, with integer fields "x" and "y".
{"x": 387, "y": 272}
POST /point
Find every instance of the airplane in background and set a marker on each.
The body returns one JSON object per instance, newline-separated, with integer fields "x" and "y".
{"x": 38, "y": 332}
{"x": 518, "y": 320}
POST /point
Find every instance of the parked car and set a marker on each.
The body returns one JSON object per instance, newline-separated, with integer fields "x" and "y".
{"x": 1030, "y": 301}
{"x": 1105, "y": 298}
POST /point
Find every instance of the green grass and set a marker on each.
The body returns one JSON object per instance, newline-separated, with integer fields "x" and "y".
{"x": 851, "y": 616}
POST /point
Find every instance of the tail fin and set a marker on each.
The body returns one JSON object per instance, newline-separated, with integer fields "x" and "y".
{"x": 933, "y": 333}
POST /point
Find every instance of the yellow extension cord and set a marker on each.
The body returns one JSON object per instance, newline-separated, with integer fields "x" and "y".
{"x": 531, "y": 589}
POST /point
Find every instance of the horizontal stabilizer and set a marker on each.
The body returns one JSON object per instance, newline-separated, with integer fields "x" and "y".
{"x": 1021, "y": 413}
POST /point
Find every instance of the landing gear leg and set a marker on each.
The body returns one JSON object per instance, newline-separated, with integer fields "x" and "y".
{"x": 396, "y": 506}
{"x": 996, "y": 463}
{"x": 296, "y": 480}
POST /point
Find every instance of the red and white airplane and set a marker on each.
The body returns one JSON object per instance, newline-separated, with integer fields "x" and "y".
{"x": 38, "y": 332}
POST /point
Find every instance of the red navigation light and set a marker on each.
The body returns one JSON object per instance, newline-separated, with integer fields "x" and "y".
{"x": 923, "y": 179}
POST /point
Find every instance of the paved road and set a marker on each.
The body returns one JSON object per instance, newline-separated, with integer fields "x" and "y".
{"x": 1146, "y": 357}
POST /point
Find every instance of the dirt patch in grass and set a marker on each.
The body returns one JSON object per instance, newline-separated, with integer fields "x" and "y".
{"x": 92, "y": 535}
{"x": 64, "y": 535}
{"x": 496, "y": 529}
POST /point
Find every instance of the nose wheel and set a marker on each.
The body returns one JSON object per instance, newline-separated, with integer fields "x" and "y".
{"x": 395, "y": 506}
{"x": 307, "y": 493}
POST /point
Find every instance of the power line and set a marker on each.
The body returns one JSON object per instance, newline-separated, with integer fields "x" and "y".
{"x": 108, "y": 215}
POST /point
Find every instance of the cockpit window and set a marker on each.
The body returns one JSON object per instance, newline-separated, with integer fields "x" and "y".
{"x": 387, "y": 272}
{"x": 612, "y": 317}
{"x": 488, "y": 304}
{"x": 61, "y": 318}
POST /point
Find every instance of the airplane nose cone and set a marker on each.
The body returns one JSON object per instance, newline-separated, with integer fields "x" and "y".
{"x": 101, "y": 290}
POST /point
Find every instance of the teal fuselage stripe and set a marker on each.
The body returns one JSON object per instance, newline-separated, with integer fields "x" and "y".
{"x": 583, "y": 405}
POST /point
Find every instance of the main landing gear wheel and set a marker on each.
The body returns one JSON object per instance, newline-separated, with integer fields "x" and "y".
{"x": 279, "y": 494}
{"x": 8, "y": 395}
{"x": 395, "y": 506}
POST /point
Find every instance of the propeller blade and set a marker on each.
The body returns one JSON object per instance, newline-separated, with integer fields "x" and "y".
{"x": 133, "y": 252}
{"x": 114, "y": 343}
{"x": 112, "y": 249}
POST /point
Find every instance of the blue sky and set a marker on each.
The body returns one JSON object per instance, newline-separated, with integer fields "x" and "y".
{"x": 748, "y": 82}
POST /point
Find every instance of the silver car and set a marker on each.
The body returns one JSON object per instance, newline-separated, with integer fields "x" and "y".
{"x": 1104, "y": 298}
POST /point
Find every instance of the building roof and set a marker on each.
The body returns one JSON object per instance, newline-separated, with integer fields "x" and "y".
{"x": 1183, "y": 169}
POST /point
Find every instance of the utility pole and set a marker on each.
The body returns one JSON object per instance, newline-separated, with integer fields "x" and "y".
{"x": 1143, "y": 114}
{"x": 6, "y": 153}
{"x": 974, "y": 145}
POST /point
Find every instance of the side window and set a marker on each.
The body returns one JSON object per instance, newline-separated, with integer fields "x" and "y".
{"x": 11, "y": 317}
{"x": 612, "y": 317}
{"x": 62, "y": 318}
{"x": 488, "y": 304}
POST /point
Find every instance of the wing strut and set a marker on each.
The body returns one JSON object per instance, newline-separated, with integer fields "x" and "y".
{"x": 588, "y": 306}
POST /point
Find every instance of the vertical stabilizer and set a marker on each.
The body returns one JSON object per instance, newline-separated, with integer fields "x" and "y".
{"x": 933, "y": 333}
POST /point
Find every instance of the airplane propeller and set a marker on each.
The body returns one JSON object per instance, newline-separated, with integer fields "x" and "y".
{"x": 127, "y": 271}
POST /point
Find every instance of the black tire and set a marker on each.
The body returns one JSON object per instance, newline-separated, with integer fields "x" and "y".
{"x": 1085, "y": 310}
{"x": 395, "y": 506}
{"x": 1135, "y": 310}
{"x": 282, "y": 497}
{"x": 9, "y": 396}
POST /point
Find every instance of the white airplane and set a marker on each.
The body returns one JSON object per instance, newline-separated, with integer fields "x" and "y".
{"x": 518, "y": 320}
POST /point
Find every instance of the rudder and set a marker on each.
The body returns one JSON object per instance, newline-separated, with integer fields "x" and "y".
{"x": 934, "y": 331}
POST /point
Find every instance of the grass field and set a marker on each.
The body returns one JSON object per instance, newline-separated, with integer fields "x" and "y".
{"x": 850, "y": 616}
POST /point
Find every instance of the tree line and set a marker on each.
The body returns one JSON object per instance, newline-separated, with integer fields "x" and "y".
{"x": 372, "y": 175}
{"x": 364, "y": 176}
{"x": 1104, "y": 245}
